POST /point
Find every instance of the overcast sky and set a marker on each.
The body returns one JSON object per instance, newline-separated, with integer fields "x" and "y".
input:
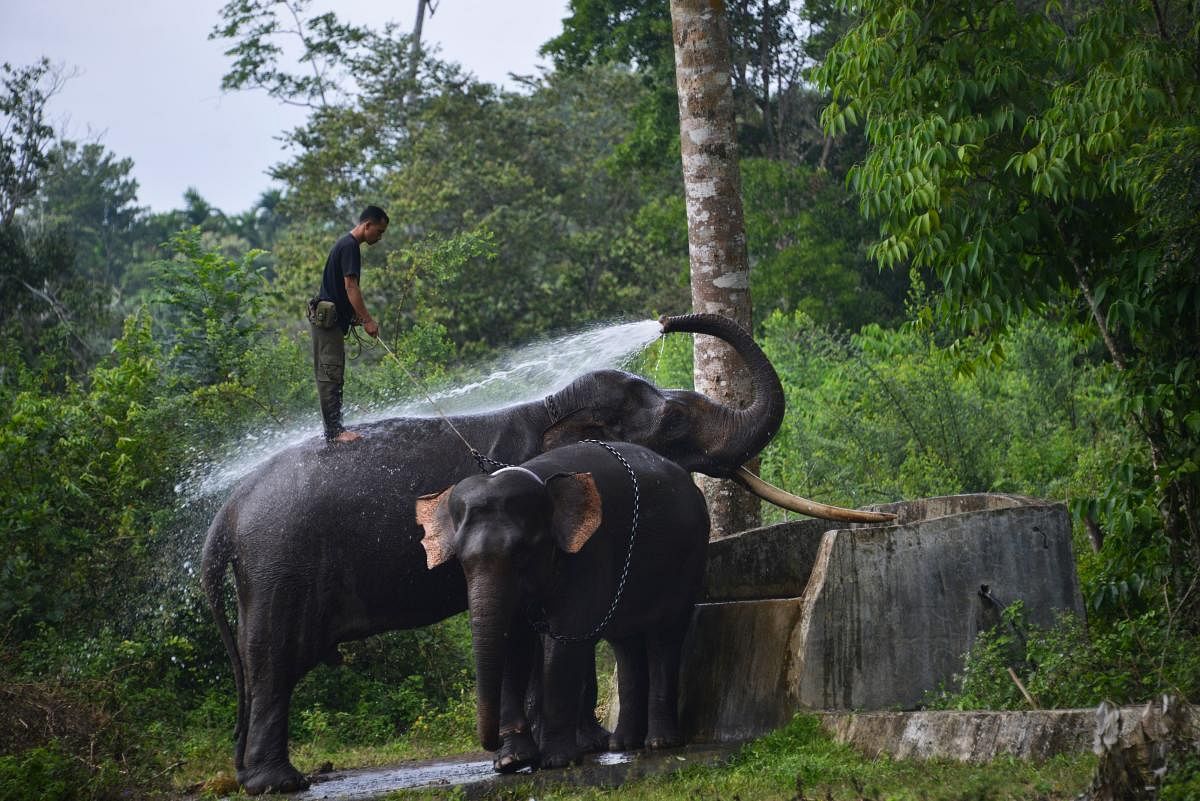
{"x": 149, "y": 80}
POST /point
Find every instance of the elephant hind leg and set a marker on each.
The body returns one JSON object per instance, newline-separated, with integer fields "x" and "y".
{"x": 563, "y": 668}
{"x": 267, "y": 767}
{"x": 590, "y": 736}
{"x": 630, "y": 733}
{"x": 664, "y": 652}
{"x": 274, "y": 665}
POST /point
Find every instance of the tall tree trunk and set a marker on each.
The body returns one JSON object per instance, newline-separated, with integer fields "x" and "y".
{"x": 716, "y": 230}
{"x": 414, "y": 53}
{"x": 414, "y": 48}
{"x": 765, "y": 52}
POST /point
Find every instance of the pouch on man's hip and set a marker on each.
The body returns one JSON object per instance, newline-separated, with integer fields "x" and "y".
{"x": 322, "y": 313}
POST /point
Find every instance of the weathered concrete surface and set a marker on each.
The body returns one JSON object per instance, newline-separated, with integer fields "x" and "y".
{"x": 890, "y": 611}
{"x": 734, "y": 685}
{"x": 770, "y": 562}
{"x": 928, "y": 508}
{"x": 977, "y": 736}
{"x": 868, "y": 616}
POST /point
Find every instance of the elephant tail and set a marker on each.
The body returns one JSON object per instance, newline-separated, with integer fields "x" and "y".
{"x": 216, "y": 560}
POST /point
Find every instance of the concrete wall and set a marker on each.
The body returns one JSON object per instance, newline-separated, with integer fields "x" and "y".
{"x": 984, "y": 736}
{"x": 799, "y": 616}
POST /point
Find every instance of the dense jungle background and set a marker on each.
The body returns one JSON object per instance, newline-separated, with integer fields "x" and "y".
{"x": 973, "y": 229}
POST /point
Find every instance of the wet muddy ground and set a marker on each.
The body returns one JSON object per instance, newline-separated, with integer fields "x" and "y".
{"x": 473, "y": 772}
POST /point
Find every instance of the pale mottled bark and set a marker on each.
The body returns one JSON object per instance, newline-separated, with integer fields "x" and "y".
{"x": 716, "y": 230}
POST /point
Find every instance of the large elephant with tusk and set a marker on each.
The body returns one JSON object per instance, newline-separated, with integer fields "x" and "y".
{"x": 325, "y": 548}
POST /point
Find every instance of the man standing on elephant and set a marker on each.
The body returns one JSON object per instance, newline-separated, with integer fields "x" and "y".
{"x": 337, "y": 306}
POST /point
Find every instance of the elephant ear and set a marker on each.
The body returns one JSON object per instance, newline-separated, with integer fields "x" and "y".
{"x": 576, "y": 509}
{"x": 433, "y": 514}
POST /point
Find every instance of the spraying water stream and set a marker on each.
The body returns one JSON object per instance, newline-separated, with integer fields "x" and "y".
{"x": 528, "y": 373}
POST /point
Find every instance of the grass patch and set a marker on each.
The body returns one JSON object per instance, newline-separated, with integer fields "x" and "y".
{"x": 800, "y": 761}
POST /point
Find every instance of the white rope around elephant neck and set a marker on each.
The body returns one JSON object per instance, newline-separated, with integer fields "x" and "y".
{"x": 519, "y": 469}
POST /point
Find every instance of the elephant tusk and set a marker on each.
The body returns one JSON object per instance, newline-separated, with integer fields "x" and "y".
{"x": 794, "y": 503}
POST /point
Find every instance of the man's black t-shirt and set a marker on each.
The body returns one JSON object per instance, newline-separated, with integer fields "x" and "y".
{"x": 345, "y": 259}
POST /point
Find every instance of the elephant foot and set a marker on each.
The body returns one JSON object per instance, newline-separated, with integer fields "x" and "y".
{"x": 664, "y": 733}
{"x": 657, "y": 741}
{"x": 280, "y": 778}
{"x": 591, "y": 736}
{"x": 517, "y": 750}
{"x": 623, "y": 741}
{"x": 561, "y": 757}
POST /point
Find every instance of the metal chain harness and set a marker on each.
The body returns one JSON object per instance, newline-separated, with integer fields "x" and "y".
{"x": 541, "y": 626}
{"x": 483, "y": 461}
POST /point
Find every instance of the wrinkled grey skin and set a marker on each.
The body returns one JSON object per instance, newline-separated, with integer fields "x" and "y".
{"x": 529, "y": 545}
{"x": 325, "y": 548}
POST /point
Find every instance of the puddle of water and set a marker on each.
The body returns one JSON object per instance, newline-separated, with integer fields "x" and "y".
{"x": 615, "y": 757}
{"x": 374, "y": 783}
{"x": 603, "y": 769}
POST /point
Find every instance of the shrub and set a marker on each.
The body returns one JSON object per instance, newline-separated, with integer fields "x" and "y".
{"x": 886, "y": 415}
{"x": 1066, "y": 665}
{"x": 42, "y": 774}
{"x": 385, "y": 686}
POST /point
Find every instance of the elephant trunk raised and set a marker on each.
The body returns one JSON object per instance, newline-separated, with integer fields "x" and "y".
{"x": 734, "y": 436}
{"x": 492, "y": 601}
{"x": 737, "y": 435}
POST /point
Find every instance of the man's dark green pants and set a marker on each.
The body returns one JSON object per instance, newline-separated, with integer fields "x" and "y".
{"x": 329, "y": 365}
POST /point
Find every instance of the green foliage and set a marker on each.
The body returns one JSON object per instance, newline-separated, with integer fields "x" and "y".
{"x": 807, "y": 250}
{"x": 25, "y": 134}
{"x": 885, "y": 415}
{"x": 213, "y": 308}
{"x": 565, "y": 244}
{"x": 1069, "y": 666}
{"x": 82, "y": 474}
{"x": 89, "y": 197}
{"x": 622, "y": 31}
{"x": 41, "y": 293}
{"x": 1046, "y": 159}
{"x": 260, "y": 28}
{"x": 636, "y": 35}
{"x": 771, "y": 46}
{"x": 41, "y": 774}
{"x": 116, "y": 706}
{"x": 385, "y": 686}
{"x": 1182, "y": 781}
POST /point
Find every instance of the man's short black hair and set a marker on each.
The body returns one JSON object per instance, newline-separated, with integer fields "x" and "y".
{"x": 374, "y": 214}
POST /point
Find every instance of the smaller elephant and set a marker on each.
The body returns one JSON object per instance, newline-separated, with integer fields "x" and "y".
{"x": 585, "y": 541}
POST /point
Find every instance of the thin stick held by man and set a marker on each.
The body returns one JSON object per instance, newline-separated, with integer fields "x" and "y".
{"x": 337, "y": 306}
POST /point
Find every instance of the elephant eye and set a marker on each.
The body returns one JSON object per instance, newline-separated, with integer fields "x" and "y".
{"x": 674, "y": 421}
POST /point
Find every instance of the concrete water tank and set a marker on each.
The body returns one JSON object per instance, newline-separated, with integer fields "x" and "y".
{"x": 801, "y": 616}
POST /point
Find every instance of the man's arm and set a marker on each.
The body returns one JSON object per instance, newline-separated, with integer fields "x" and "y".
{"x": 360, "y": 308}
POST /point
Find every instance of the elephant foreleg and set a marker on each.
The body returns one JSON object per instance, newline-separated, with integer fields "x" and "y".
{"x": 632, "y": 687}
{"x": 518, "y": 748}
